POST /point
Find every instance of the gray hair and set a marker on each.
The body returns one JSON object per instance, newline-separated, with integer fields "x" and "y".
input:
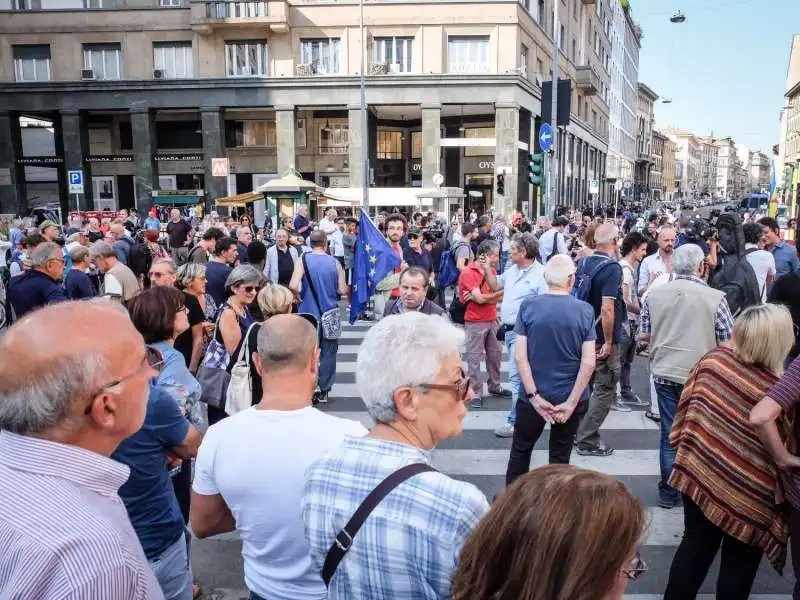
{"x": 188, "y": 273}
{"x": 686, "y": 259}
{"x": 79, "y": 254}
{"x": 605, "y": 234}
{"x": 46, "y": 399}
{"x": 164, "y": 261}
{"x": 244, "y": 274}
{"x": 527, "y": 243}
{"x": 388, "y": 349}
{"x": 558, "y": 270}
{"x": 103, "y": 250}
{"x": 488, "y": 246}
{"x": 42, "y": 253}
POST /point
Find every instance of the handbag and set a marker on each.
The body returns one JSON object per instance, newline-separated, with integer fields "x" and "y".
{"x": 213, "y": 373}
{"x": 331, "y": 320}
{"x": 458, "y": 309}
{"x": 344, "y": 539}
{"x": 239, "y": 395}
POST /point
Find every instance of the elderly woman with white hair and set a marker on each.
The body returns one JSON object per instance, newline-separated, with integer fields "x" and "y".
{"x": 409, "y": 375}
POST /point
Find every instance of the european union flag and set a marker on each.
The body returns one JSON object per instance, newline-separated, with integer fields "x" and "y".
{"x": 374, "y": 259}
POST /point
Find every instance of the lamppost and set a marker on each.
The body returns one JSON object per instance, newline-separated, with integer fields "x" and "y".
{"x": 364, "y": 133}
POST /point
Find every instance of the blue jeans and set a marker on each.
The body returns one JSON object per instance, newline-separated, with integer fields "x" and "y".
{"x": 668, "y": 396}
{"x": 327, "y": 362}
{"x": 513, "y": 375}
{"x": 173, "y": 571}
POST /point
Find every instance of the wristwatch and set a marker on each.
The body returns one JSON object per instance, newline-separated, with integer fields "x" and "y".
{"x": 533, "y": 395}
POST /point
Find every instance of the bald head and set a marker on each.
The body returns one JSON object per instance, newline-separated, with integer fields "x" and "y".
{"x": 286, "y": 343}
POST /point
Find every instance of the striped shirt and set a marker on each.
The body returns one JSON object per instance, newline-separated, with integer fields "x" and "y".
{"x": 786, "y": 392}
{"x": 64, "y": 532}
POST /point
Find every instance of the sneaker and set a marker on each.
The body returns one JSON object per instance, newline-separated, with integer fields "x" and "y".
{"x": 619, "y": 406}
{"x": 501, "y": 393}
{"x": 653, "y": 416}
{"x": 600, "y": 450}
{"x": 319, "y": 397}
{"x": 506, "y": 431}
{"x": 476, "y": 402}
{"x": 634, "y": 400}
{"x": 667, "y": 502}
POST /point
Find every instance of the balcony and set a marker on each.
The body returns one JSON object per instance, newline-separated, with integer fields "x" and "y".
{"x": 225, "y": 15}
{"x": 589, "y": 1}
{"x": 587, "y": 80}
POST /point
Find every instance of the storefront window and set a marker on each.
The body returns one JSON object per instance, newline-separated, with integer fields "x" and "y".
{"x": 334, "y": 137}
{"x": 479, "y": 133}
{"x": 251, "y": 133}
{"x": 390, "y": 144}
{"x": 416, "y": 144}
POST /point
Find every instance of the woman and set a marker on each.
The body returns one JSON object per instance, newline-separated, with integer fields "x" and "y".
{"x": 727, "y": 478}
{"x": 416, "y": 391}
{"x": 191, "y": 278}
{"x": 416, "y": 255}
{"x": 556, "y": 532}
{"x": 280, "y": 259}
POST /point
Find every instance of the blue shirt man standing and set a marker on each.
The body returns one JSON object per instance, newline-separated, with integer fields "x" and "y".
{"x": 786, "y": 260}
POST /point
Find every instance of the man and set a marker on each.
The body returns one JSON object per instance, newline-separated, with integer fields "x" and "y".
{"x": 49, "y": 230}
{"x": 64, "y": 533}
{"x": 605, "y": 296}
{"x": 660, "y": 262}
{"x": 328, "y": 223}
{"x": 417, "y": 255}
{"x": 349, "y": 240}
{"x": 480, "y": 292}
{"x": 762, "y": 261}
{"x": 119, "y": 282}
{"x": 462, "y": 250}
{"x": 522, "y": 280}
{"x": 302, "y": 226}
{"x": 483, "y": 231}
{"x": 634, "y": 248}
{"x": 219, "y": 267}
{"x": 79, "y": 238}
{"x": 682, "y": 320}
{"x": 320, "y": 271}
{"x": 77, "y": 284}
{"x": 413, "y": 292}
{"x": 204, "y": 249}
{"x": 179, "y": 232}
{"x": 38, "y": 286}
{"x": 552, "y": 241}
{"x": 244, "y": 236}
{"x": 190, "y": 342}
{"x": 786, "y": 260}
{"x": 387, "y": 288}
{"x": 151, "y": 223}
{"x": 233, "y": 485}
{"x": 337, "y": 241}
{"x": 122, "y": 244}
{"x": 555, "y": 355}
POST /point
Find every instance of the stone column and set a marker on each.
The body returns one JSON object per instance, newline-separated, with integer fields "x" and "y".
{"x": 431, "y": 143}
{"x": 213, "y": 124}
{"x": 75, "y": 140}
{"x": 145, "y": 178}
{"x": 506, "y": 154}
{"x": 13, "y": 197}
{"x": 284, "y": 129}
{"x": 357, "y": 137}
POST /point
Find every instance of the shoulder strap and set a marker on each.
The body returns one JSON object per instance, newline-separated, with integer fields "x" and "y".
{"x": 307, "y": 275}
{"x": 244, "y": 350}
{"x": 344, "y": 539}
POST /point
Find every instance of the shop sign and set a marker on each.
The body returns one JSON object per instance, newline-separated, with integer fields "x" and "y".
{"x": 109, "y": 158}
{"x": 176, "y": 156}
{"x": 40, "y": 161}
{"x": 416, "y": 167}
{"x": 486, "y": 164}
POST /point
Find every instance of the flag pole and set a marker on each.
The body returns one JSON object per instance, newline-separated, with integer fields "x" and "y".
{"x": 364, "y": 133}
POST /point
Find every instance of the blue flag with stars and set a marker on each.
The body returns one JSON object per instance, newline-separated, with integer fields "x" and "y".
{"x": 374, "y": 259}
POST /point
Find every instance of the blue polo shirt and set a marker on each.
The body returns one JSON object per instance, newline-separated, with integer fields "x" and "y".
{"x": 31, "y": 290}
{"x": 216, "y": 276}
{"x": 786, "y": 260}
{"x": 148, "y": 494}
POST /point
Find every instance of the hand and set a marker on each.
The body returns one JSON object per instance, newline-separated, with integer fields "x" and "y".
{"x": 403, "y": 265}
{"x": 792, "y": 462}
{"x": 544, "y": 408}
{"x": 467, "y": 297}
{"x": 173, "y": 460}
{"x": 208, "y": 327}
{"x": 654, "y": 276}
{"x": 563, "y": 412}
{"x": 605, "y": 351}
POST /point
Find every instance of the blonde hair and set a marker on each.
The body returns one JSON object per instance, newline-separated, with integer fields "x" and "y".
{"x": 274, "y": 299}
{"x": 763, "y": 335}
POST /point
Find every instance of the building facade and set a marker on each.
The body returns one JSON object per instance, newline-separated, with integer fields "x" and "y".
{"x": 728, "y": 167}
{"x": 645, "y": 155}
{"x": 657, "y": 171}
{"x": 707, "y": 176}
{"x": 687, "y": 162}
{"x": 759, "y": 172}
{"x": 141, "y": 95}
{"x": 789, "y": 153}
{"x": 669, "y": 173}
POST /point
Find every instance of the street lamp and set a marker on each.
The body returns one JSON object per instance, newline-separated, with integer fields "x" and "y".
{"x": 678, "y": 17}
{"x": 666, "y": 101}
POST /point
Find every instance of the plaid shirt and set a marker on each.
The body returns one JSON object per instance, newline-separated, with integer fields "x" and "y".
{"x": 408, "y": 547}
{"x": 723, "y": 320}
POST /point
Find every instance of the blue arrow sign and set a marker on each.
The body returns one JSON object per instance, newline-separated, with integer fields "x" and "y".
{"x": 545, "y": 137}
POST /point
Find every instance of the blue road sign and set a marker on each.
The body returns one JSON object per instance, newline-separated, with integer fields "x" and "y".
{"x": 76, "y": 177}
{"x": 545, "y": 137}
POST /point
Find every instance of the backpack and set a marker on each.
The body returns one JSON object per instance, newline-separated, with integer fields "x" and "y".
{"x": 448, "y": 271}
{"x": 737, "y": 279}
{"x": 140, "y": 259}
{"x": 583, "y": 278}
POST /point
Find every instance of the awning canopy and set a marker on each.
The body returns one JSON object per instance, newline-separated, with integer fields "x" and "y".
{"x": 289, "y": 182}
{"x": 177, "y": 200}
{"x": 383, "y": 197}
{"x": 240, "y": 200}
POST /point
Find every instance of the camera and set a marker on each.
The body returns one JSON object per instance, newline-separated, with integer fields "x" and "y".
{"x": 700, "y": 229}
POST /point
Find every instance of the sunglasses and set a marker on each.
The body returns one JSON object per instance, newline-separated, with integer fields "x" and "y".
{"x": 249, "y": 289}
{"x": 153, "y": 359}
{"x": 636, "y": 568}
{"x": 157, "y": 275}
{"x": 461, "y": 387}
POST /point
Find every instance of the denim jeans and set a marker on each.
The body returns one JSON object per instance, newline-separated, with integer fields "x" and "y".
{"x": 668, "y": 396}
{"x": 513, "y": 375}
{"x": 327, "y": 362}
{"x": 173, "y": 571}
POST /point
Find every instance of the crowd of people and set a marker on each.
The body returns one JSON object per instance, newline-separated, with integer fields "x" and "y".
{"x": 196, "y": 410}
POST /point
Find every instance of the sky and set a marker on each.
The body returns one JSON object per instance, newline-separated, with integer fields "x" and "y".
{"x": 724, "y": 68}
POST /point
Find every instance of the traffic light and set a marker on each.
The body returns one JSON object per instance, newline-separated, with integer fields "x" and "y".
{"x": 501, "y": 184}
{"x": 536, "y": 168}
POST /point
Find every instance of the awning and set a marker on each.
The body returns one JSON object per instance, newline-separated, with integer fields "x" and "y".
{"x": 333, "y": 203}
{"x": 178, "y": 200}
{"x": 240, "y": 200}
{"x": 380, "y": 196}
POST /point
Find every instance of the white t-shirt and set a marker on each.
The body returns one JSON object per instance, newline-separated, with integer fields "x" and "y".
{"x": 112, "y": 286}
{"x": 257, "y": 461}
{"x": 628, "y": 276}
{"x": 763, "y": 263}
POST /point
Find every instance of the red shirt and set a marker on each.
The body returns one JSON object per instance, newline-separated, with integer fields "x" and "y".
{"x": 469, "y": 279}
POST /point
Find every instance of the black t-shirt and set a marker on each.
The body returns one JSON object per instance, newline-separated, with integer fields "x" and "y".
{"x": 285, "y": 266}
{"x": 178, "y": 233}
{"x": 607, "y": 283}
{"x": 95, "y": 236}
{"x": 786, "y": 290}
{"x": 183, "y": 343}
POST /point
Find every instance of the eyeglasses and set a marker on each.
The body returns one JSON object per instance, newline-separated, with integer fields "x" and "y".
{"x": 461, "y": 388}
{"x": 153, "y": 359}
{"x": 249, "y": 289}
{"x": 636, "y": 568}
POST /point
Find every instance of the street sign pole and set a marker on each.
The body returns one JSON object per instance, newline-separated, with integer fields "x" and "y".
{"x": 552, "y": 184}
{"x": 364, "y": 134}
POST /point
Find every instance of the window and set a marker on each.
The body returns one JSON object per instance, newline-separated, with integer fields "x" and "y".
{"x": 300, "y": 133}
{"x": 32, "y": 63}
{"x": 395, "y": 51}
{"x": 390, "y": 144}
{"x": 416, "y": 144}
{"x": 174, "y": 59}
{"x": 539, "y": 12}
{"x": 523, "y": 59}
{"x": 468, "y": 54}
{"x": 478, "y": 133}
{"x": 334, "y": 137}
{"x": 322, "y": 54}
{"x": 574, "y": 53}
{"x": 238, "y": 10}
{"x": 526, "y": 4}
{"x": 92, "y": 3}
{"x": 561, "y": 37}
{"x": 245, "y": 58}
{"x": 540, "y": 67}
{"x": 105, "y": 60}
{"x": 170, "y": 3}
{"x": 251, "y": 134}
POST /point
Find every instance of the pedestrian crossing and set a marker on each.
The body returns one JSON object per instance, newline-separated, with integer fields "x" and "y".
{"x": 478, "y": 456}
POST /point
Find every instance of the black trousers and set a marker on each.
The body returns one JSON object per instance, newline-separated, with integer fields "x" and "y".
{"x": 528, "y": 428}
{"x": 182, "y": 485}
{"x": 700, "y": 544}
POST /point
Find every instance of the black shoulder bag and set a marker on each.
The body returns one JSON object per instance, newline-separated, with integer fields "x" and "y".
{"x": 344, "y": 539}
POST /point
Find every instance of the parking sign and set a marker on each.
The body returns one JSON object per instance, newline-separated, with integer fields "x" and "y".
{"x": 75, "y": 182}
